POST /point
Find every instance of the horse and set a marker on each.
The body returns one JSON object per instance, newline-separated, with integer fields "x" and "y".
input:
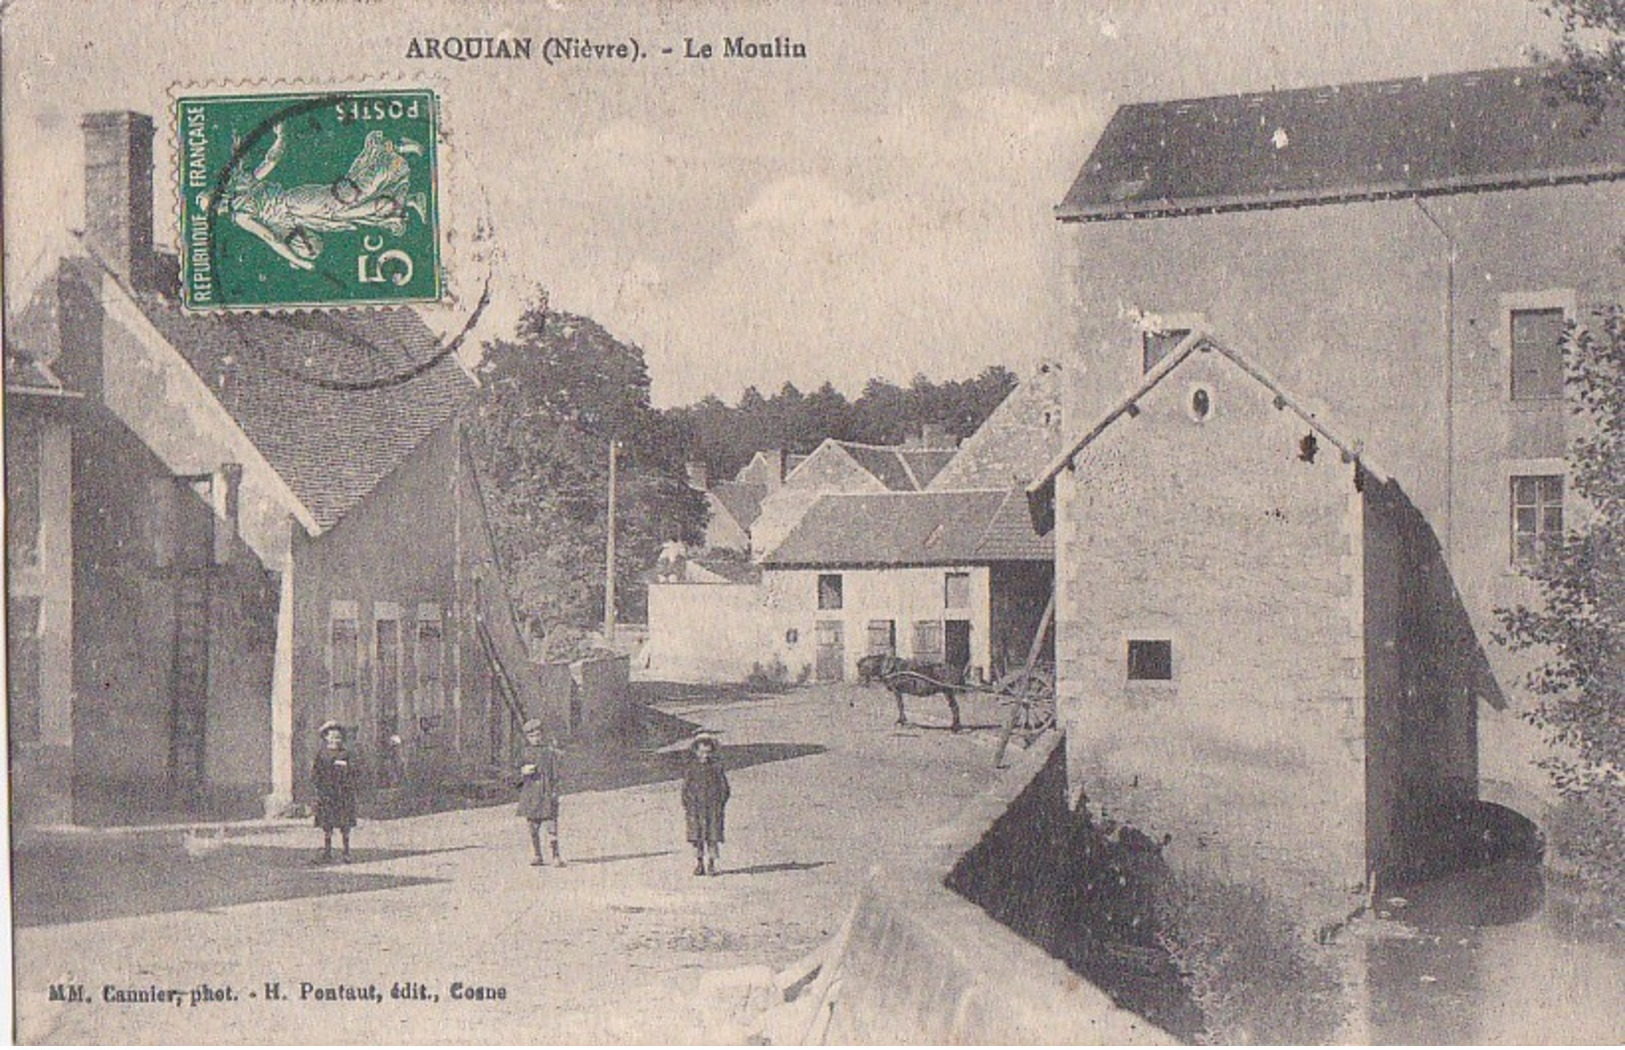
{"x": 919, "y": 678}
{"x": 872, "y": 668}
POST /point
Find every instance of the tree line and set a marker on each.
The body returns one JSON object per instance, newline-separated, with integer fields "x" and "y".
{"x": 562, "y": 388}
{"x": 724, "y": 437}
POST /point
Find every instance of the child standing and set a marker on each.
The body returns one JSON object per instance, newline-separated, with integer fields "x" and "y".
{"x": 705, "y": 798}
{"x": 335, "y": 776}
{"x": 538, "y": 785}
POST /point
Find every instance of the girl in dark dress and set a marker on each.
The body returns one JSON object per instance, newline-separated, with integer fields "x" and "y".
{"x": 705, "y": 798}
{"x": 335, "y": 776}
{"x": 538, "y": 784}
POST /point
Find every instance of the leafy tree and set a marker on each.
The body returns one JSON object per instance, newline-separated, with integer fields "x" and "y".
{"x": 552, "y": 399}
{"x": 1590, "y": 65}
{"x": 1578, "y": 626}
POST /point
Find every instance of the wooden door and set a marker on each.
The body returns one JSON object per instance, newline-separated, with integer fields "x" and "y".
{"x": 830, "y": 665}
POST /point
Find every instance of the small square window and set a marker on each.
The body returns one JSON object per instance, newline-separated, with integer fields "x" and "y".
{"x": 956, "y": 590}
{"x": 883, "y": 637}
{"x": 1150, "y": 660}
{"x": 829, "y": 591}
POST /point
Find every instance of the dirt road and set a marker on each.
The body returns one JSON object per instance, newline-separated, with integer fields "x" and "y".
{"x": 611, "y": 948}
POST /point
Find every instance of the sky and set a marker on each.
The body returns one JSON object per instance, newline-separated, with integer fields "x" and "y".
{"x": 882, "y": 207}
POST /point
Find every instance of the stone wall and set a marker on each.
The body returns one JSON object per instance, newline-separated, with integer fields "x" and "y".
{"x": 1224, "y": 538}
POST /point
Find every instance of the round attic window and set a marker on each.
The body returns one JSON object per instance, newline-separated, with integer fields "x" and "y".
{"x": 1200, "y": 407}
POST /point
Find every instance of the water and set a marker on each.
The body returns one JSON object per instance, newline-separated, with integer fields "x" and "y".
{"x": 1493, "y": 955}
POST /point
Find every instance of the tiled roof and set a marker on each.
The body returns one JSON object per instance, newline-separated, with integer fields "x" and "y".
{"x": 926, "y": 463}
{"x": 883, "y": 463}
{"x": 913, "y": 528}
{"x": 332, "y": 447}
{"x": 1016, "y": 440}
{"x": 1447, "y": 133}
{"x": 741, "y": 499}
{"x": 899, "y": 468}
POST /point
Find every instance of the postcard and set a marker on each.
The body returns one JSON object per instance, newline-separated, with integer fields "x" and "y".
{"x": 734, "y": 522}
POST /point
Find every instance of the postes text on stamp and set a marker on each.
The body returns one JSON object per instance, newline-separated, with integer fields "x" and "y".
{"x": 312, "y": 199}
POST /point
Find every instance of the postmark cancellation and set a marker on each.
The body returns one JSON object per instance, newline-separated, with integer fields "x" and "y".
{"x": 308, "y": 199}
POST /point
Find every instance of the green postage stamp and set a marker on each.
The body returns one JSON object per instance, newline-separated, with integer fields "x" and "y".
{"x": 312, "y": 199}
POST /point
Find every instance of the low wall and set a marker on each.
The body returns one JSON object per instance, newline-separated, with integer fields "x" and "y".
{"x": 556, "y": 686}
{"x": 603, "y": 697}
{"x": 922, "y": 964}
{"x": 706, "y": 632}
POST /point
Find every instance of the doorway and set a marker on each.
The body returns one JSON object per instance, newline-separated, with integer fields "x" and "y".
{"x": 830, "y": 664}
{"x": 956, "y": 644}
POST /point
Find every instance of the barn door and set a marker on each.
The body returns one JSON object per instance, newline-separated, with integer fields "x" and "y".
{"x": 956, "y": 644}
{"x": 831, "y": 661}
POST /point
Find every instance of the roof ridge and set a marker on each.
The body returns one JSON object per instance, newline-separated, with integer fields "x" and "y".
{"x": 1275, "y": 92}
{"x": 1199, "y": 338}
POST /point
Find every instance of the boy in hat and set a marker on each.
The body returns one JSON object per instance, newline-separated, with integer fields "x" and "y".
{"x": 705, "y": 797}
{"x": 538, "y": 785}
{"x": 334, "y": 773}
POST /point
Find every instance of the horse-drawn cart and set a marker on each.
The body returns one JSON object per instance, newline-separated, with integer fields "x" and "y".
{"x": 1027, "y": 695}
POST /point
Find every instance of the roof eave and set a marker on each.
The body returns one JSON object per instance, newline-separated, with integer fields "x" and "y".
{"x": 1168, "y": 208}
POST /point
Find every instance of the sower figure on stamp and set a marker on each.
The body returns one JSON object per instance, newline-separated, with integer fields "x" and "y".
{"x": 290, "y": 221}
{"x": 538, "y": 784}
{"x": 335, "y": 775}
{"x": 705, "y": 798}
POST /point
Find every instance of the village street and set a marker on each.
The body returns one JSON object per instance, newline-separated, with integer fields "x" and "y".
{"x": 611, "y": 948}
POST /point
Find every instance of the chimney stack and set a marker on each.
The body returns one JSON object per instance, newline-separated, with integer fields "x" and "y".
{"x": 118, "y": 191}
{"x": 697, "y": 476}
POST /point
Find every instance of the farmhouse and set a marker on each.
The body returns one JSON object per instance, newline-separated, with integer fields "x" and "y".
{"x": 210, "y": 555}
{"x": 953, "y": 577}
{"x": 1410, "y": 250}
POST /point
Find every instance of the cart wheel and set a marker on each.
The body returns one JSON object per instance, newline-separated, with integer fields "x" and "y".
{"x": 1029, "y": 707}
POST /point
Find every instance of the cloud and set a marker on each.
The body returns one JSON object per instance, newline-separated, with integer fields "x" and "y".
{"x": 924, "y": 243}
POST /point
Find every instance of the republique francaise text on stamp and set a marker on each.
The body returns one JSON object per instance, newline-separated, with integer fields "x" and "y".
{"x": 312, "y": 199}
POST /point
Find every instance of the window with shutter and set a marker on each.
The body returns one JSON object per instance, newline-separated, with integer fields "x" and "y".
{"x": 1537, "y": 353}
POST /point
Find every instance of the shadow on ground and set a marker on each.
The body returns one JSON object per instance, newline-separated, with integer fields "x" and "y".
{"x": 768, "y": 869}
{"x": 710, "y": 695}
{"x": 82, "y": 879}
{"x": 651, "y": 754}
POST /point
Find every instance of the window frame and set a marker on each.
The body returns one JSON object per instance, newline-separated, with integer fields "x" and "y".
{"x": 1511, "y": 303}
{"x": 948, "y": 580}
{"x": 1152, "y": 323}
{"x": 1516, "y": 562}
{"x": 838, "y": 591}
{"x": 1152, "y": 639}
{"x": 940, "y": 652}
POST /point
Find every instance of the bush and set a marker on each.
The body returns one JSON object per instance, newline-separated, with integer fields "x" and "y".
{"x": 1249, "y": 968}
{"x": 773, "y": 677}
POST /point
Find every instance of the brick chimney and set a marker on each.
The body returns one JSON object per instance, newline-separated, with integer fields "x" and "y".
{"x": 118, "y": 191}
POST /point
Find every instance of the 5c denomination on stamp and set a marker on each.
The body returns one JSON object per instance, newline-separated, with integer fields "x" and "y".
{"x": 313, "y": 199}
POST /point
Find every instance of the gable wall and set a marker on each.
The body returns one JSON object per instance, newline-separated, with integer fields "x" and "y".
{"x": 1217, "y": 536}
{"x": 828, "y": 470}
